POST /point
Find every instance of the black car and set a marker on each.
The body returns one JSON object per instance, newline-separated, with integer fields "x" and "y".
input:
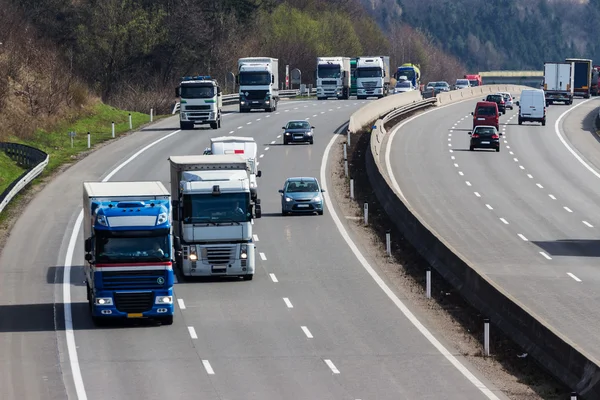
{"x": 485, "y": 137}
{"x": 498, "y": 99}
{"x": 297, "y": 131}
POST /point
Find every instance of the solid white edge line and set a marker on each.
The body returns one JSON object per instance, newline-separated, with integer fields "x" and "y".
{"x": 391, "y": 295}
{"x": 332, "y": 366}
{"x": 574, "y": 277}
{"x": 208, "y": 367}
{"x": 69, "y": 333}
{"x": 192, "y": 332}
{"x": 306, "y": 332}
{"x": 181, "y": 304}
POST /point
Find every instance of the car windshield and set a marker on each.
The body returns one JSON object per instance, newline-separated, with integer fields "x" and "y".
{"x": 131, "y": 246}
{"x": 474, "y": 82}
{"x": 298, "y": 125}
{"x": 462, "y": 82}
{"x": 405, "y": 84}
{"x": 441, "y": 84}
{"x": 494, "y": 97}
{"x": 486, "y": 111}
{"x": 431, "y": 84}
{"x": 255, "y": 78}
{"x": 369, "y": 72}
{"x": 301, "y": 186}
{"x": 506, "y": 96}
{"x": 485, "y": 131}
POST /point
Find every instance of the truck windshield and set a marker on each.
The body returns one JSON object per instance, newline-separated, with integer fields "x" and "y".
{"x": 370, "y": 72}
{"x": 408, "y": 73}
{"x": 474, "y": 82}
{"x": 255, "y": 78}
{"x": 206, "y": 208}
{"x": 197, "y": 92}
{"x": 119, "y": 247}
{"x": 329, "y": 71}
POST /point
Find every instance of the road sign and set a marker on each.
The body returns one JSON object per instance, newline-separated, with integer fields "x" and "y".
{"x": 296, "y": 76}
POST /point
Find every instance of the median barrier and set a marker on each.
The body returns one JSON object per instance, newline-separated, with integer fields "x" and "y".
{"x": 377, "y": 109}
{"x": 32, "y": 159}
{"x": 561, "y": 357}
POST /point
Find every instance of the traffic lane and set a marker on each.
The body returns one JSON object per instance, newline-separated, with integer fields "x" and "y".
{"x": 31, "y": 267}
{"x": 579, "y": 129}
{"x": 423, "y": 163}
{"x": 349, "y": 317}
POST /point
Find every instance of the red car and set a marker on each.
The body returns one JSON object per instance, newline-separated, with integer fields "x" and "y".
{"x": 486, "y": 113}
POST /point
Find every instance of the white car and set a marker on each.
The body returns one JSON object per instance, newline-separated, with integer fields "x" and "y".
{"x": 462, "y": 84}
{"x": 403, "y": 86}
{"x": 508, "y": 99}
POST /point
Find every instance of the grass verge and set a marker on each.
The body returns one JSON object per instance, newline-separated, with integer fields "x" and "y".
{"x": 9, "y": 171}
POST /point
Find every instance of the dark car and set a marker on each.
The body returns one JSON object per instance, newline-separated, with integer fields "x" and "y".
{"x": 439, "y": 87}
{"x": 485, "y": 137}
{"x": 298, "y": 131}
{"x": 301, "y": 195}
{"x": 498, "y": 99}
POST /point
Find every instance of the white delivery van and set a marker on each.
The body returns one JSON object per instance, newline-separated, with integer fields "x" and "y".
{"x": 532, "y": 106}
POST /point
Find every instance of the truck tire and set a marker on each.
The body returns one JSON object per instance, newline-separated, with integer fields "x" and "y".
{"x": 219, "y": 121}
{"x": 248, "y": 277}
{"x": 520, "y": 121}
{"x": 544, "y": 122}
{"x": 321, "y": 98}
{"x": 168, "y": 320}
{"x": 184, "y": 126}
{"x": 214, "y": 125}
{"x": 257, "y": 211}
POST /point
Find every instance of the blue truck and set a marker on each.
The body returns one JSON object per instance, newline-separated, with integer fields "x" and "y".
{"x": 128, "y": 250}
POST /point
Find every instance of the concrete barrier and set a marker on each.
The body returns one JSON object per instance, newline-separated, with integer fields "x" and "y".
{"x": 377, "y": 109}
{"x": 562, "y": 358}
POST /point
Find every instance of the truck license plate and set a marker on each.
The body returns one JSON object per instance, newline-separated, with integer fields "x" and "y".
{"x": 135, "y": 315}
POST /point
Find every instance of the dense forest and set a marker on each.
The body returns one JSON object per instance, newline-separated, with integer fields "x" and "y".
{"x": 57, "y": 56}
{"x": 501, "y": 34}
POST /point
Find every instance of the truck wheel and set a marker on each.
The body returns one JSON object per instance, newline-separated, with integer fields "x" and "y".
{"x": 214, "y": 125}
{"x": 184, "y": 126}
{"x": 219, "y": 122}
{"x": 248, "y": 277}
{"x": 168, "y": 320}
{"x": 544, "y": 122}
{"x": 320, "y": 98}
{"x": 258, "y": 211}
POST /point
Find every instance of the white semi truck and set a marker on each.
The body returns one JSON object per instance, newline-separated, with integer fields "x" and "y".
{"x": 212, "y": 213}
{"x": 245, "y": 147}
{"x": 372, "y": 77}
{"x": 201, "y": 101}
{"x": 558, "y": 82}
{"x": 258, "y": 78}
{"x": 333, "y": 77}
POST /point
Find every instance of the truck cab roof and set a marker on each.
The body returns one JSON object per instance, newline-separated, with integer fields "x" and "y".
{"x": 125, "y": 189}
{"x": 233, "y": 181}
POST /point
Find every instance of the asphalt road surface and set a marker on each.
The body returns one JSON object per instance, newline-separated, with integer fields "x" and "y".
{"x": 527, "y": 217}
{"x": 312, "y": 324}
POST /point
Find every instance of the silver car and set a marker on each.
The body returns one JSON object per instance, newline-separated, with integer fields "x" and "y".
{"x": 301, "y": 195}
{"x": 508, "y": 99}
{"x": 462, "y": 84}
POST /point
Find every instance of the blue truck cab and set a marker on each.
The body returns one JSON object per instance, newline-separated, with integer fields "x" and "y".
{"x": 128, "y": 250}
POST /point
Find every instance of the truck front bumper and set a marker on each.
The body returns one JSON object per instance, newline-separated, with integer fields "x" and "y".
{"x": 198, "y": 117}
{"x": 133, "y": 304}
{"x": 251, "y": 104}
{"x": 369, "y": 92}
{"x": 330, "y": 91}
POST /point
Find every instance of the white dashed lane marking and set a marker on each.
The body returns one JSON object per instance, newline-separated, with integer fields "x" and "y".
{"x": 255, "y": 238}
{"x": 263, "y": 257}
{"x": 568, "y": 209}
{"x": 587, "y": 224}
{"x": 574, "y": 277}
{"x": 545, "y": 255}
{"x": 288, "y": 303}
{"x": 181, "y": 304}
{"x": 552, "y": 196}
{"x": 273, "y": 277}
{"x": 331, "y": 366}
{"x": 208, "y": 367}
{"x": 192, "y": 332}
{"x": 504, "y": 221}
{"x": 522, "y": 237}
{"x": 306, "y": 332}
{"x": 477, "y": 194}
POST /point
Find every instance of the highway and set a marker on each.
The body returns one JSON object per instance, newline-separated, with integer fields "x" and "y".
{"x": 313, "y": 324}
{"x": 527, "y": 217}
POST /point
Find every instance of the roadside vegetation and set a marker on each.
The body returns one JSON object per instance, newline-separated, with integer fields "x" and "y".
{"x": 9, "y": 170}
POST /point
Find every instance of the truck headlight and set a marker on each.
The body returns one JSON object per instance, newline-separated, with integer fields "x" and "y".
{"x": 104, "y": 301}
{"x": 193, "y": 257}
{"x": 243, "y": 251}
{"x": 162, "y": 218}
{"x": 164, "y": 300}
{"x": 102, "y": 220}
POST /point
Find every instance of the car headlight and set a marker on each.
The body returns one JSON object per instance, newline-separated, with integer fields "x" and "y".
{"x": 164, "y": 300}
{"x": 104, "y": 301}
{"x": 287, "y": 134}
{"x": 243, "y": 251}
{"x": 288, "y": 199}
{"x": 317, "y": 199}
{"x": 309, "y": 133}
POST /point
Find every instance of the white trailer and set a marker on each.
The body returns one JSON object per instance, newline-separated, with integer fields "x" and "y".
{"x": 558, "y": 82}
{"x": 333, "y": 77}
{"x": 258, "y": 78}
{"x": 372, "y": 76}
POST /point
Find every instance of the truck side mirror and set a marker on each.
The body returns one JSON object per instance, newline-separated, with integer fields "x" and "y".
{"x": 259, "y": 174}
{"x": 472, "y": 113}
{"x": 175, "y": 203}
{"x": 88, "y": 245}
{"x": 177, "y": 243}
{"x": 237, "y": 79}
{"x": 177, "y": 91}
{"x": 517, "y": 103}
{"x": 272, "y": 78}
{"x": 218, "y": 90}
{"x": 88, "y": 257}
{"x": 280, "y": 191}
{"x": 469, "y": 133}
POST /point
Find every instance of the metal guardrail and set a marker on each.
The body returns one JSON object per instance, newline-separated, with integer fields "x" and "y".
{"x": 230, "y": 99}
{"x": 408, "y": 108}
{"x": 33, "y": 159}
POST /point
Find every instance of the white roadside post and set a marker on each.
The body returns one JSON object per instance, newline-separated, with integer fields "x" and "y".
{"x": 130, "y": 122}
{"x": 89, "y": 140}
{"x": 366, "y": 213}
{"x": 352, "y": 189}
{"x": 113, "y": 129}
{"x": 428, "y": 282}
{"x": 486, "y": 337}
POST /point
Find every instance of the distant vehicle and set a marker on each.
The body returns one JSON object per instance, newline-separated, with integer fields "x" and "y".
{"x": 508, "y": 99}
{"x": 582, "y": 76}
{"x": 301, "y": 195}
{"x": 474, "y": 79}
{"x": 498, "y": 99}
{"x": 258, "y": 79}
{"x": 462, "y": 84}
{"x": 410, "y": 72}
{"x": 298, "y": 131}
{"x": 485, "y": 137}
{"x": 200, "y": 102}
{"x": 440, "y": 87}
{"x": 372, "y": 77}
{"x": 558, "y": 82}
{"x": 333, "y": 77}
{"x": 404, "y": 86}
{"x": 486, "y": 113}
{"x": 595, "y": 80}
{"x": 532, "y": 106}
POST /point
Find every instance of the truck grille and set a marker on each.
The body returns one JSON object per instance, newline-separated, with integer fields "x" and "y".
{"x": 334, "y": 83}
{"x": 197, "y": 108}
{"x": 220, "y": 255}
{"x": 369, "y": 85}
{"x": 255, "y": 94}
{"x": 142, "y": 279}
{"x": 134, "y": 302}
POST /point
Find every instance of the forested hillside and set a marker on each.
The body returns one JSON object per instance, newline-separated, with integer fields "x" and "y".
{"x": 501, "y": 34}
{"x": 58, "y": 56}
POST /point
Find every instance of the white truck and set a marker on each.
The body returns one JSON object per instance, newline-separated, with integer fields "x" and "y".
{"x": 212, "y": 213}
{"x": 258, "y": 78}
{"x": 201, "y": 101}
{"x": 372, "y": 77}
{"x": 245, "y": 147}
{"x": 558, "y": 82}
{"x": 333, "y": 77}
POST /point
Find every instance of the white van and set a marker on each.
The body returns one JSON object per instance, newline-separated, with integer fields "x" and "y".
{"x": 532, "y": 106}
